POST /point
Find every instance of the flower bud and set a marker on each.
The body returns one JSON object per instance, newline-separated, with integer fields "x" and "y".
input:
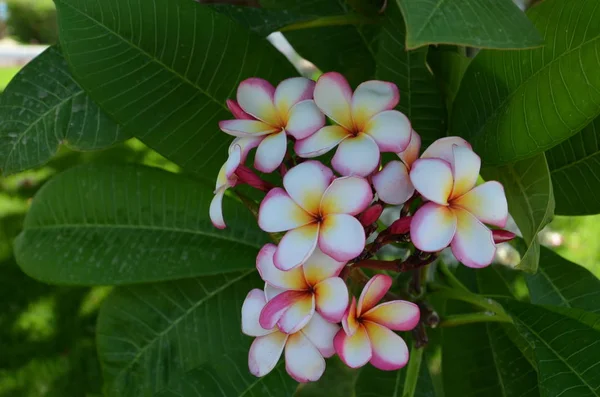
{"x": 502, "y": 236}
{"x": 401, "y": 226}
{"x": 248, "y": 177}
{"x": 370, "y": 215}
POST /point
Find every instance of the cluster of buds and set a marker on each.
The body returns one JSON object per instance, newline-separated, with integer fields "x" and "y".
{"x": 328, "y": 214}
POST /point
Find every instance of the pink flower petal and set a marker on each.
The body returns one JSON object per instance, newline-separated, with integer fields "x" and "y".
{"x": 255, "y": 96}
{"x": 271, "y": 292}
{"x": 349, "y": 321}
{"x": 473, "y": 244}
{"x": 342, "y": 237}
{"x": 331, "y": 299}
{"x": 355, "y": 351}
{"x": 296, "y": 247}
{"x": 216, "y": 208}
{"x": 237, "y": 111}
{"x": 356, "y": 155}
{"x": 433, "y": 179}
{"x": 395, "y": 315}
{"x": 246, "y": 144}
{"x": 373, "y": 292}
{"x": 392, "y": 183}
{"x": 304, "y": 120}
{"x": 253, "y": 304}
{"x": 371, "y": 98}
{"x": 391, "y": 131}
{"x": 320, "y": 267}
{"x": 321, "y": 333}
{"x": 306, "y": 183}
{"x": 291, "y": 280}
{"x": 244, "y": 128}
{"x": 265, "y": 352}
{"x": 487, "y": 202}
{"x": 276, "y": 307}
{"x": 411, "y": 153}
{"x": 298, "y": 314}
{"x": 270, "y": 152}
{"x": 442, "y": 148}
{"x": 333, "y": 96}
{"x": 465, "y": 170}
{"x": 348, "y": 195}
{"x": 389, "y": 350}
{"x": 303, "y": 361}
{"x": 291, "y": 91}
{"x": 321, "y": 141}
{"x": 278, "y": 212}
{"x": 432, "y": 227}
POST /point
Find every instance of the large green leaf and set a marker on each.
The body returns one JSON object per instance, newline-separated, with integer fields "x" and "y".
{"x": 514, "y": 104}
{"x": 44, "y": 107}
{"x": 338, "y": 380}
{"x": 528, "y": 189}
{"x": 127, "y": 224}
{"x": 151, "y": 335}
{"x": 566, "y": 350}
{"x": 164, "y": 68}
{"x": 487, "y": 24}
{"x": 559, "y": 282}
{"x": 575, "y": 169}
{"x": 448, "y": 66}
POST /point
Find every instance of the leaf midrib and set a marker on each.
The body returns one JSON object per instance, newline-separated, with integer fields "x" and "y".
{"x": 574, "y": 163}
{"x": 554, "y": 287}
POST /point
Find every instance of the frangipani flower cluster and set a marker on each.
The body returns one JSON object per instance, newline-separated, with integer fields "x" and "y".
{"x": 321, "y": 217}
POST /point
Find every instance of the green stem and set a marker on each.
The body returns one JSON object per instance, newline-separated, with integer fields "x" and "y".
{"x": 470, "y": 318}
{"x": 464, "y": 295}
{"x": 334, "y": 20}
{"x": 452, "y": 280}
{"x": 412, "y": 371}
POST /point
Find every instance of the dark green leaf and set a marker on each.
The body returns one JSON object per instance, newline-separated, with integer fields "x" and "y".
{"x": 44, "y": 107}
{"x": 575, "y": 169}
{"x": 448, "y": 66}
{"x": 164, "y": 68}
{"x": 487, "y": 24}
{"x": 514, "y": 104}
{"x": 338, "y": 380}
{"x": 127, "y": 224}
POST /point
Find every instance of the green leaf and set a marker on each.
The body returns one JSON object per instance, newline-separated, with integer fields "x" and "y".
{"x": 575, "y": 169}
{"x": 338, "y": 380}
{"x": 514, "y": 104}
{"x": 566, "y": 350}
{"x": 44, "y": 107}
{"x": 487, "y": 24}
{"x": 559, "y": 282}
{"x": 528, "y": 189}
{"x": 448, "y": 67}
{"x": 164, "y": 68}
{"x": 150, "y": 335}
{"x": 128, "y": 224}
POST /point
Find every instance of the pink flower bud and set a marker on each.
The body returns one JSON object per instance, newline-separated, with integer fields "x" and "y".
{"x": 370, "y": 215}
{"x": 247, "y": 176}
{"x": 401, "y": 226}
{"x": 502, "y": 236}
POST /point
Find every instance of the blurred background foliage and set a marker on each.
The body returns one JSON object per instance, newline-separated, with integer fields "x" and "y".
{"x": 32, "y": 21}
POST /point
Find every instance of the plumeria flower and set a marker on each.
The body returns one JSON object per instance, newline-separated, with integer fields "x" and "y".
{"x": 304, "y": 350}
{"x": 313, "y": 286}
{"x": 269, "y": 114}
{"x": 315, "y": 209}
{"x": 368, "y": 334}
{"x": 366, "y": 124}
{"x": 457, "y": 208}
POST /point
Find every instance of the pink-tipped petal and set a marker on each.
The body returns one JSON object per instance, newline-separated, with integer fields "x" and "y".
{"x": 411, "y": 153}
{"x": 465, "y": 170}
{"x": 306, "y": 183}
{"x": 348, "y": 195}
{"x": 333, "y": 96}
{"x": 473, "y": 243}
{"x": 237, "y": 110}
{"x": 255, "y": 96}
{"x": 245, "y": 128}
{"x": 276, "y": 307}
{"x": 390, "y": 130}
{"x": 270, "y": 152}
{"x": 321, "y": 333}
{"x": 331, "y": 299}
{"x": 321, "y": 141}
{"x": 291, "y": 280}
{"x": 374, "y": 290}
{"x": 320, "y": 267}
{"x": 278, "y": 212}
{"x": 442, "y": 148}
{"x": 296, "y": 247}
{"x": 433, "y": 179}
{"x": 395, "y": 315}
{"x": 342, "y": 237}
{"x": 392, "y": 183}
{"x": 370, "y": 99}
{"x": 297, "y": 315}
{"x": 253, "y": 304}
{"x": 304, "y": 120}
{"x": 356, "y": 155}
{"x": 216, "y": 208}
{"x": 246, "y": 144}
{"x": 303, "y": 361}
{"x": 355, "y": 351}
{"x": 265, "y": 352}
{"x": 389, "y": 350}
{"x": 432, "y": 227}
{"x": 487, "y": 202}
{"x": 291, "y": 91}
{"x": 349, "y": 321}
